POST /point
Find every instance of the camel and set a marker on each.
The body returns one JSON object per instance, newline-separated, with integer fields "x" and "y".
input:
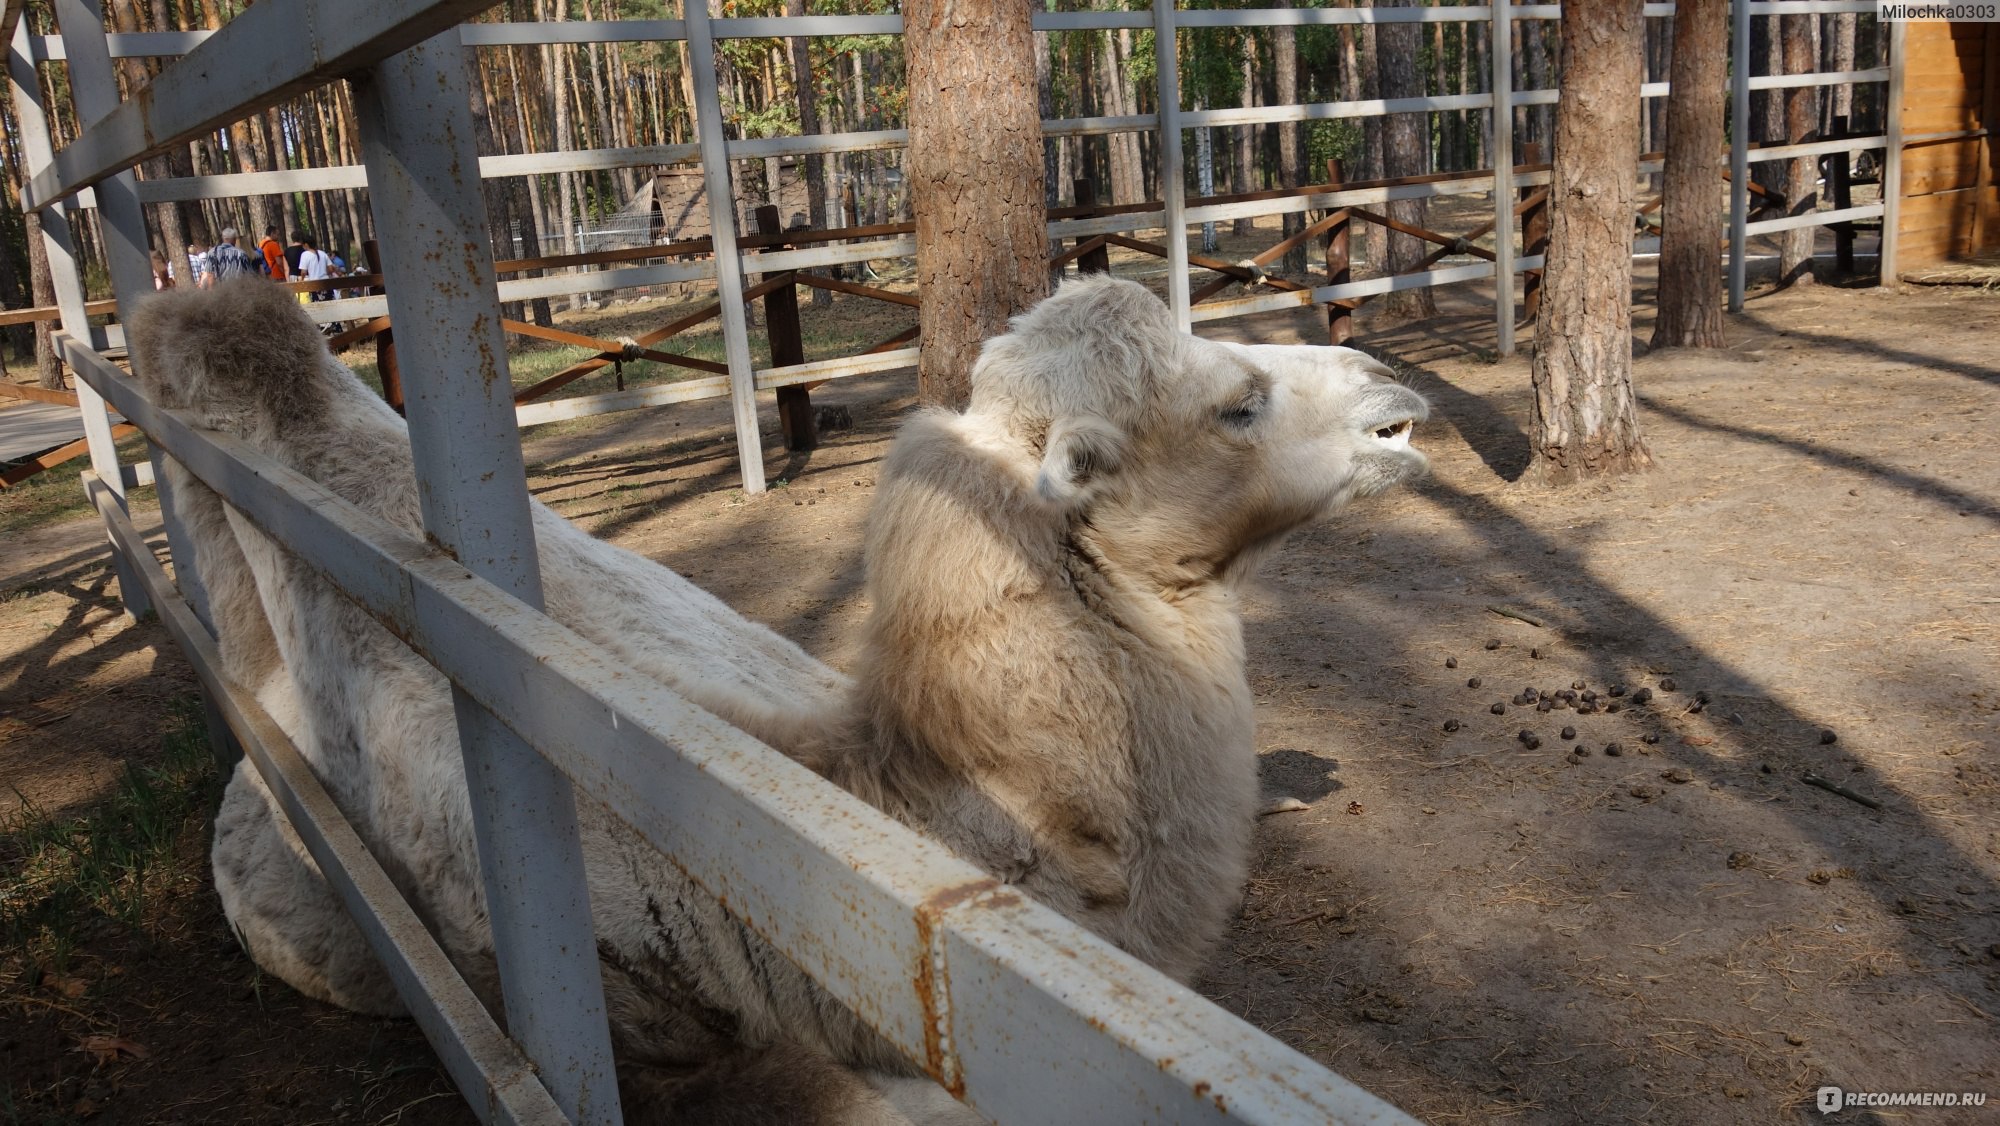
{"x": 1051, "y": 682}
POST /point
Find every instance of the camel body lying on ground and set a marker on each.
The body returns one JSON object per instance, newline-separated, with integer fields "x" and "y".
{"x": 1051, "y": 682}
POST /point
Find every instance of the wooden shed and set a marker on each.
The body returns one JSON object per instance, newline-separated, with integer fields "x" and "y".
{"x": 1950, "y": 106}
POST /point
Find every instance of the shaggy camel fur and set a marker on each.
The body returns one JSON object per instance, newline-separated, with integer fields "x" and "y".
{"x": 1052, "y": 681}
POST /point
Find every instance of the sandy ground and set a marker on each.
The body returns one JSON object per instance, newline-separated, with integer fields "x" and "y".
{"x": 1679, "y": 930}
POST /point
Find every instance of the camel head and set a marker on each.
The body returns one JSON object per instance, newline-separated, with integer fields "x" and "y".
{"x": 1186, "y": 458}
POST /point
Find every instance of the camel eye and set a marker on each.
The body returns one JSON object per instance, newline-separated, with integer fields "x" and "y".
{"x": 1241, "y": 413}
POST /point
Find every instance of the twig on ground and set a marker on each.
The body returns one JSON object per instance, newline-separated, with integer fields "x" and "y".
{"x": 1837, "y": 788}
{"x": 1509, "y": 612}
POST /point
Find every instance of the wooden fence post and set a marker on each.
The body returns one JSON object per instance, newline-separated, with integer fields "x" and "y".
{"x": 1339, "y": 267}
{"x": 1534, "y": 236}
{"x": 385, "y": 341}
{"x": 1839, "y": 184}
{"x": 781, "y": 324}
{"x": 1093, "y": 261}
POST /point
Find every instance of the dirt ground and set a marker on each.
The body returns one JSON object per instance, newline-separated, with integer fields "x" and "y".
{"x": 1657, "y": 920}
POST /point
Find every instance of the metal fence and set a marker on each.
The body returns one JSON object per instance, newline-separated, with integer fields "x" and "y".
{"x": 1173, "y": 212}
{"x": 1021, "y": 1013}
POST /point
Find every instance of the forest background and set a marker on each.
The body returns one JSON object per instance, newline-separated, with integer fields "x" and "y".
{"x": 564, "y": 97}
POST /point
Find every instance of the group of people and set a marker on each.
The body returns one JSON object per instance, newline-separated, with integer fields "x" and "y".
{"x": 302, "y": 261}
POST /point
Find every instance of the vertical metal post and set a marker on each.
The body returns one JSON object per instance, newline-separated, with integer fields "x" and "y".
{"x": 1173, "y": 187}
{"x": 722, "y": 233}
{"x": 1503, "y": 176}
{"x": 423, "y": 184}
{"x": 1892, "y": 156}
{"x": 1739, "y": 151}
{"x": 85, "y": 25}
{"x": 94, "y": 89}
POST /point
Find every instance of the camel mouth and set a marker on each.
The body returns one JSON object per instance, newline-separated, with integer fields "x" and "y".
{"x": 1397, "y": 433}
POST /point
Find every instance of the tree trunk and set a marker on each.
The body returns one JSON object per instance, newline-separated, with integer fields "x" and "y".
{"x": 1795, "y": 247}
{"x": 47, "y": 368}
{"x": 975, "y": 174}
{"x": 1244, "y": 175}
{"x": 1843, "y": 60}
{"x": 1584, "y": 421}
{"x": 1285, "y": 69}
{"x": 1406, "y": 151}
{"x": 1127, "y": 182}
{"x": 1204, "y": 172}
{"x": 1690, "y": 289}
{"x": 815, "y": 163}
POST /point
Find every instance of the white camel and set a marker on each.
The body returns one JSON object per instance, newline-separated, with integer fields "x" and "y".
{"x": 1052, "y": 681}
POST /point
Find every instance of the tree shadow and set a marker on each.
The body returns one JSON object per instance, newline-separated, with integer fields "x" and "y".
{"x": 1872, "y": 348}
{"x": 1964, "y": 503}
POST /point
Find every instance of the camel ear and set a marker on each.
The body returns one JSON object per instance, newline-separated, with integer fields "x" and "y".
{"x": 1080, "y": 454}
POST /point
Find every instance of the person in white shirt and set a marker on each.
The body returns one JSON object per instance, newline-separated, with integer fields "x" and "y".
{"x": 315, "y": 265}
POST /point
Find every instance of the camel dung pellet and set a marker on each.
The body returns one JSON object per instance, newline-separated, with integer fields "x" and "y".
{"x": 1451, "y": 725}
{"x": 1499, "y": 707}
{"x": 1580, "y": 749}
{"x": 1736, "y": 718}
{"x": 1613, "y": 749}
{"x": 1578, "y": 686}
{"x": 1574, "y": 757}
{"x": 1667, "y": 684}
{"x": 1529, "y": 739}
{"x": 1642, "y": 696}
{"x": 1677, "y": 776}
{"x": 1702, "y": 697}
{"x": 1473, "y": 683}
{"x": 1649, "y": 738}
{"x": 1615, "y": 690}
{"x": 1696, "y": 708}
{"x": 1535, "y": 654}
{"x": 1451, "y": 662}
{"x": 1569, "y": 732}
{"x": 1588, "y": 697}
{"x": 1827, "y": 737}
{"x": 1586, "y": 709}
{"x": 1544, "y": 705}
{"x": 1613, "y": 708}
{"x": 1493, "y": 643}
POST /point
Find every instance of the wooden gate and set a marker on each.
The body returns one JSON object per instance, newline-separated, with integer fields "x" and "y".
{"x": 1950, "y": 106}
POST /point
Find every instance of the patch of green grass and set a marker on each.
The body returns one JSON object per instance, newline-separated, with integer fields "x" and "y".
{"x": 55, "y": 495}
{"x": 63, "y": 878}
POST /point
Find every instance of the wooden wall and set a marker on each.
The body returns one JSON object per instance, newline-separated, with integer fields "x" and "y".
{"x": 1951, "y": 85}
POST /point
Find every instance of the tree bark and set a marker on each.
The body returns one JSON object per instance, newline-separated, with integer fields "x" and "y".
{"x": 975, "y": 171}
{"x": 1584, "y": 421}
{"x": 1127, "y": 182}
{"x": 1244, "y": 174}
{"x": 1801, "y": 103}
{"x": 1406, "y": 151}
{"x": 1285, "y": 69}
{"x": 815, "y": 163}
{"x": 1690, "y": 289}
{"x": 42, "y": 284}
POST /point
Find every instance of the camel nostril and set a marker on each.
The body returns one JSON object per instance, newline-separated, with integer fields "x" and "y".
{"x": 1395, "y": 430}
